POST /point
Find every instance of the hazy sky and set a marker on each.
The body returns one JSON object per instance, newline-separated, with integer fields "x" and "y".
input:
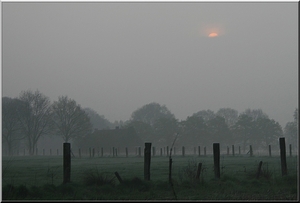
{"x": 116, "y": 57}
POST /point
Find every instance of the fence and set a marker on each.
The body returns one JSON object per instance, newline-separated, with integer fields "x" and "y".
{"x": 156, "y": 151}
{"x": 89, "y": 161}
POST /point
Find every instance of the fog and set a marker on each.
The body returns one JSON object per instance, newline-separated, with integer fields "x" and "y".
{"x": 116, "y": 57}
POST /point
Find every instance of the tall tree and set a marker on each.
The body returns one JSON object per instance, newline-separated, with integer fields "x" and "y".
{"x": 143, "y": 130}
{"x": 36, "y": 121}
{"x": 255, "y": 113}
{"x": 218, "y": 130}
{"x": 70, "y": 119}
{"x": 98, "y": 122}
{"x": 12, "y": 111}
{"x": 165, "y": 130}
{"x": 194, "y": 131}
{"x": 296, "y": 115}
{"x": 230, "y": 115}
{"x": 243, "y": 130}
{"x": 149, "y": 113}
{"x": 268, "y": 132}
{"x": 291, "y": 129}
{"x": 205, "y": 114}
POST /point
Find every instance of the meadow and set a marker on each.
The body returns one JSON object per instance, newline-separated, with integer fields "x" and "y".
{"x": 41, "y": 177}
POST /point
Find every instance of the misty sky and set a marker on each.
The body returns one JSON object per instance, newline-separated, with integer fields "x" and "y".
{"x": 116, "y": 57}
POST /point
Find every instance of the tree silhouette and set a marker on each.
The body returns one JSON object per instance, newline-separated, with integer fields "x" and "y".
{"x": 37, "y": 117}
{"x": 69, "y": 119}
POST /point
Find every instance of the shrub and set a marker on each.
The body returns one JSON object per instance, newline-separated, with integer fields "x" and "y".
{"x": 94, "y": 177}
{"x": 266, "y": 173}
{"x": 188, "y": 173}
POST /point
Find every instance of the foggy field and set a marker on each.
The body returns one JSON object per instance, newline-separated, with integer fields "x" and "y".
{"x": 238, "y": 172}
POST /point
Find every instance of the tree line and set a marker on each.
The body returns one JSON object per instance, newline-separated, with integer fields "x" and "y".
{"x": 155, "y": 123}
{"x": 32, "y": 115}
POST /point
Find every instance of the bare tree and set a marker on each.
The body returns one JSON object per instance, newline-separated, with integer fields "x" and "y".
{"x": 70, "y": 120}
{"x": 37, "y": 117}
{"x": 11, "y": 126}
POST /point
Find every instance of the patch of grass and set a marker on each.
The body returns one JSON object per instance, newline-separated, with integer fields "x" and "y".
{"x": 66, "y": 188}
{"x": 136, "y": 184}
{"x": 238, "y": 182}
{"x": 8, "y": 191}
{"x": 11, "y": 192}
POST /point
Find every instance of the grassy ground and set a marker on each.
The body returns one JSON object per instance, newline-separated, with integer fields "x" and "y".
{"x": 40, "y": 178}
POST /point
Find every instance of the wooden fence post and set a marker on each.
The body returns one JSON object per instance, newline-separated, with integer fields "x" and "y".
{"x": 251, "y": 152}
{"x": 199, "y": 151}
{"x": 290, "y": 150}
{"x": 67, "y": 162}
{"x": 140, "y": 154}
{"x": 270, "y": 154}
{"x": 216, "y": 150}
{"x": 198, "y": 171}
{"x": 183, "y": 152}
{"x": 118, "y": 177}
{"x": 232, "y": 150}
{"x": 147, "y": 160}
{"x": 170, "y": 170}
{"x": 283, "y": 156}
{"x": 259, "y": 169}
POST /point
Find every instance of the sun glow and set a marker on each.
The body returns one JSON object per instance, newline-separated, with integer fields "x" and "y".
{"x": 213, "y": 34}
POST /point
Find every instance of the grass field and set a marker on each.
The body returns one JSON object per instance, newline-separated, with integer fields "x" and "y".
{"x": 40, "y": 177}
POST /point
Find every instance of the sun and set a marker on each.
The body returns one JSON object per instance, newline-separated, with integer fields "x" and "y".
{"x": 213, "y": 34}
{"x": 213, "y": 30}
